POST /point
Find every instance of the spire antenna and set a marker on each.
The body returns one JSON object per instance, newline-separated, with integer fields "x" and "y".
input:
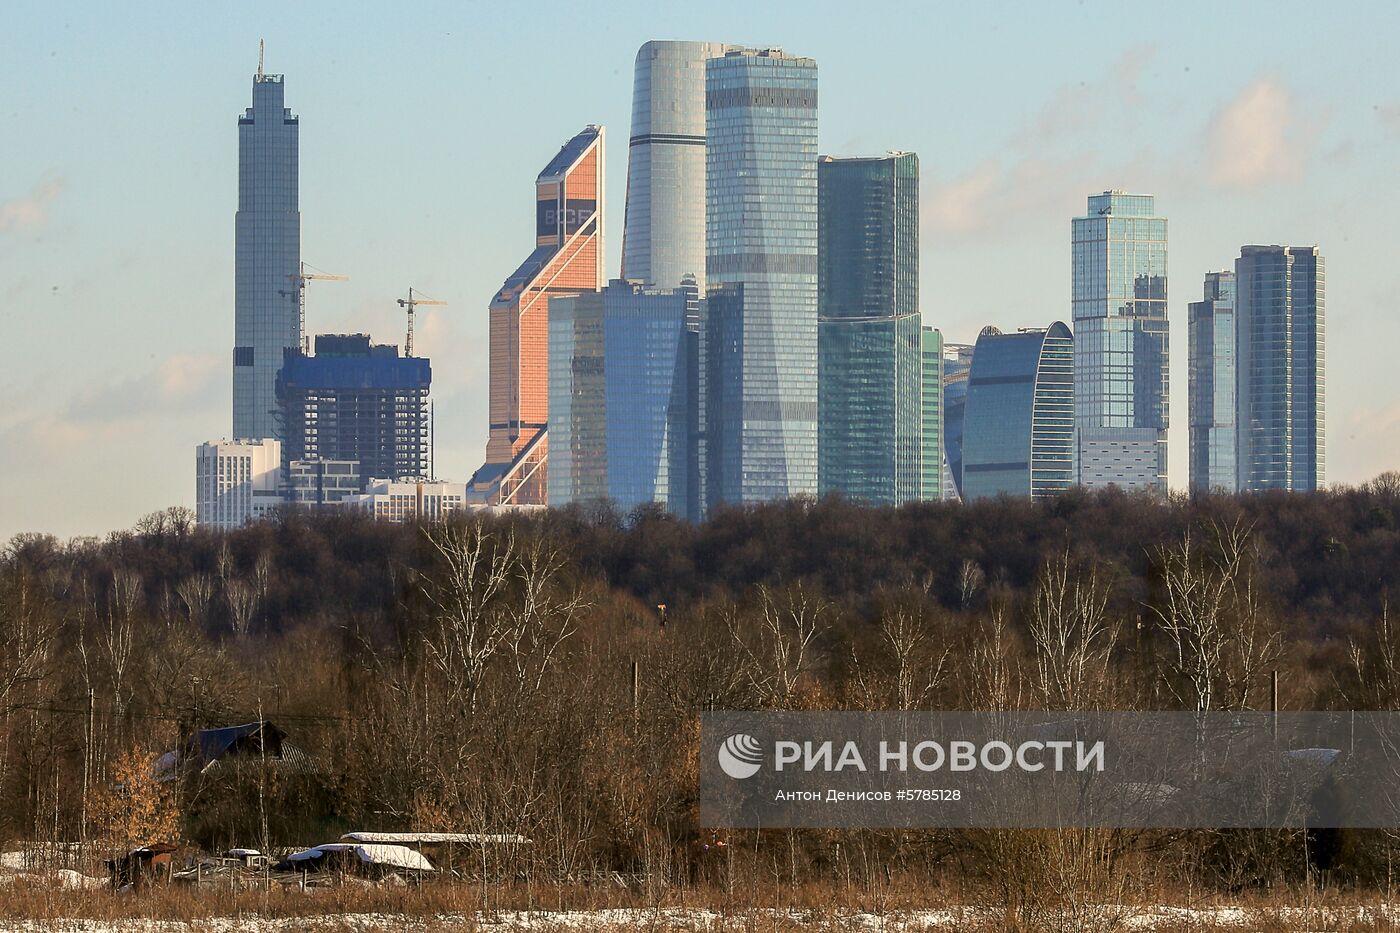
{"x": 260, "y": 59}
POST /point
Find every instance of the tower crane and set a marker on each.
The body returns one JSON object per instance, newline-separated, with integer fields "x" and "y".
{"x": 408, "y": 304}
{"x": 308, "y": 273}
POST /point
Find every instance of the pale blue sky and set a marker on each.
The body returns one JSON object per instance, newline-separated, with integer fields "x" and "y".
{"x": 422, "y": 129}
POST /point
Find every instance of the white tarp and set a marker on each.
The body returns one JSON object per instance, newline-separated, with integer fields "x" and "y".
{"x": 390, "y": 855}
{"x": 394, "y": 856}
{"x": 474, "y": 839}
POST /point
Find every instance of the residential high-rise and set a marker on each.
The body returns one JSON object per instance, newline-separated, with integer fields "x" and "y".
{"x": 356, "y": 401}
{"x": 957, "y": 362}
{"x": 1120, "y": 342}
{"x": 1281, "y": 376}
{"x": 623, "y": 397}
{"x": 236, "y": 481}
{"x": 1018, "y": 430}
{"x": 761, "y": 267}
{"x": 267, "y": 257}
{"x": 869, "y": 369}
{"x": 931, "y": 461}
{"x": 663, "y": 238}
{"x": 402, "y": 502}
{"x": 1211, "y": 348}
{"x": 567, "y": 259}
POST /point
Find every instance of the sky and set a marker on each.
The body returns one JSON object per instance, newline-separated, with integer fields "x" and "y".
{"x": 423, "y": 126}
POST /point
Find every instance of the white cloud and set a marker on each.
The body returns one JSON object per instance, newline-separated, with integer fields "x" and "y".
{"x": 1255, "y": 137}
{"x": 30, "y": 211}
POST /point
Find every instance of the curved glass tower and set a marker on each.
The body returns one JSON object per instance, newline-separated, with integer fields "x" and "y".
{"x": 663, "y": 238}
{"x": 267, "y": 257}
{"x": 1018, "y": 427}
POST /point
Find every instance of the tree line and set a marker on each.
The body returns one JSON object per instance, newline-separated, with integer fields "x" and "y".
{"x": 543, "y": 673}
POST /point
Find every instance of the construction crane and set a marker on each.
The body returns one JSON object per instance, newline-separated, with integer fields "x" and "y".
{"x": 408, "y": 304}
{"x": 299, "y": 279}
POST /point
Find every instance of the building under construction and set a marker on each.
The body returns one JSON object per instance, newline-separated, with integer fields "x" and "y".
{"x": 356, "y": 401}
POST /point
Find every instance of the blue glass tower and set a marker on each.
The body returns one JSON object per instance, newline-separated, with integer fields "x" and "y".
{"x": 1018, "y": 429}
{"x": 623, "y": 397}
{"x": 957, "y": 362}
{"x": 267, "y": 257}
{"x": 1280, "y": 327}
{"x": 869, "y": 366}
{"x": 761, "y": 265}
{"x": 1119, "y": 277}
{"x": 1211, "y": 351}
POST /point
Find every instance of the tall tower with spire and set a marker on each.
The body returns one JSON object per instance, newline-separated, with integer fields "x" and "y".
{"x": 267, "y": 256}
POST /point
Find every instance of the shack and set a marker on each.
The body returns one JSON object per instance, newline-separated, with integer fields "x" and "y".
{"x": 460, "y": 852}
{"x": 140, "y": 867}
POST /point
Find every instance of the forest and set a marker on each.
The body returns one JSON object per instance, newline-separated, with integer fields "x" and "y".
{"x": 543, "y": 673}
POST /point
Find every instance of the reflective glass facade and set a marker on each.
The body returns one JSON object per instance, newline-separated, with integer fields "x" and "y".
{"x": 623, "y": 397}
{"x": 1211, "y": 346}
{"x": 957, "y": 362}
{"x": 1018, "y": 432}
{"x": 664, "y": 233}
{"x": 566, "y": 260}
{"x": 1280, "y": 350}
{"x": 761, "y": 254}
{"x": 869, "y": 375}
{"x": 931, "y": 463}
{"x": 1119, "y": 282}
{"x": 267, "y": 257}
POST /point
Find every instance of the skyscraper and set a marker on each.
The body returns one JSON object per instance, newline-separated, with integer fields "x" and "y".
{"x": 664, "y": 233}
{"x": 869, "y": 421}
{"x": 356, "y": 401}
{"x": 957, "y": 362}
{"x": 1211, "y": 349}
{"x": 761, "y": 265}
{"x": 1281, "y": 380}
{"x": 267, "y": 256}
{"x": 567, "y": 259}
{"x": 1120, "y": 342}
{"x": 1018, "y": 431}
{"x": 622, "y": 397}
{"x": 931, "y": 461}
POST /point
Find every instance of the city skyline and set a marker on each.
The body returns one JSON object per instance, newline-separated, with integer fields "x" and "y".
{"x": 168, "y": 381}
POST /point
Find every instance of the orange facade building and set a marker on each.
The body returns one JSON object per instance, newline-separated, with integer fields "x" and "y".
{"x": 567, "y": 259}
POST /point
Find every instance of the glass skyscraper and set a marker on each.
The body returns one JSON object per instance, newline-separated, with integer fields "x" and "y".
{"x": 1018, "y": 430}
{"x": 567, "y": 259}
{"x": 957, "y": 362}
{"x": 869, "y": 369}
{"x": 1282, "y": 387}
{"x": 1119, "y": 276}
{"x": 761, "y": 267}
{"x": 931, "y": 461}
{"x": 622, "y": 397}
{"x": 664, "y": 232}
{"x": 1211, "y": 350}
{"x": 267, "y": 257}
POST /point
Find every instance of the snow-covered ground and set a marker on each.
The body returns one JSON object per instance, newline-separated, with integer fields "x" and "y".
{"x": 687, "y": 920}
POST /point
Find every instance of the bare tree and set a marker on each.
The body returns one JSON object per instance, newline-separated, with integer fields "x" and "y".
{"x": 28, "y": 629}
{"x": 775, "y": 653}
{"x": 1072, "y": 636}
{"x": 971, "y": 580}
{"x": 493, "y": 599}
{"x": 916, "y": 653}
{"x": 1218, "y": 639}
{"x": 242, "y": 598}
{"x": 197, "y": 593}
